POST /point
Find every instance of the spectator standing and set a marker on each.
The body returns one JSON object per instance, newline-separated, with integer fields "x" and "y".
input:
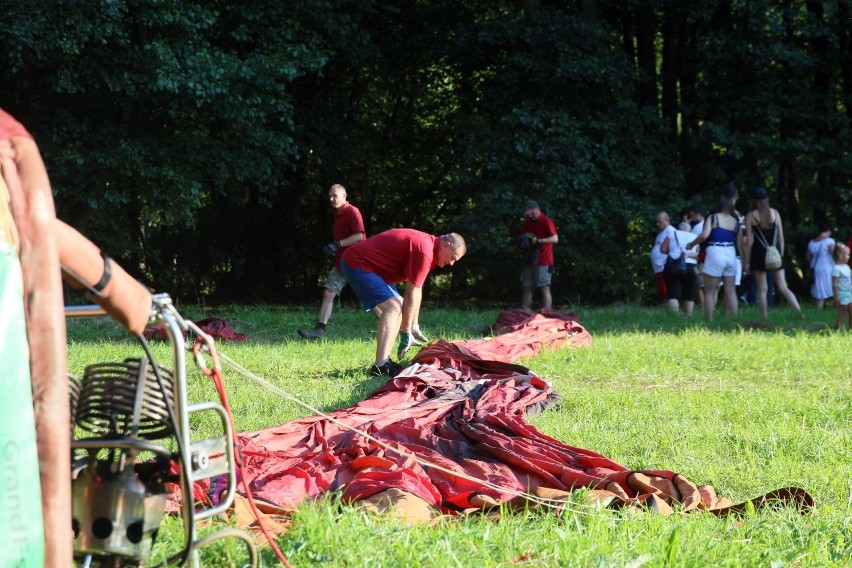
{"x": 374, "y": 265}
{"x": 538, "y": 272}
{"x": 841, "y": 283}
{"x": 658, "y": 264}
{"x": 669, "y": 245}
{"x": 723, "y": 236}
{"x": 348, "y": 229}
{"x": 820, "y": 258}
{"x": 763, "y": 225}
{"x": 684, "y": 236}
{"x": 696, "y": 221}
{"x": 732, "y": 194}
{"x": 695, "y": 217}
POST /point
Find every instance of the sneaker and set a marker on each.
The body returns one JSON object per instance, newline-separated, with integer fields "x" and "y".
{"x": 312, "y": 334}
{"x": 388, "y": 369}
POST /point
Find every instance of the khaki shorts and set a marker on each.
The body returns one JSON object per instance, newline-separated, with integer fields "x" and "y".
{"x": 536, "y": 276}
{"x": 335, "y": 282}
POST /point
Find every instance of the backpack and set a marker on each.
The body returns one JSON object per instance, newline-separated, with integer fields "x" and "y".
{"x": 773, "y": 255}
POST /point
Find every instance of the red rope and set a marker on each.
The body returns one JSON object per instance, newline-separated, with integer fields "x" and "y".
{"x": 216, "y": 374}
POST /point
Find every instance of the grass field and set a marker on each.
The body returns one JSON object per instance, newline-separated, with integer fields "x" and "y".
{"x": 739, "y": 405}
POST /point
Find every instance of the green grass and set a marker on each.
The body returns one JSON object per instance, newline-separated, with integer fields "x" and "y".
{"x": 735, "y": 404}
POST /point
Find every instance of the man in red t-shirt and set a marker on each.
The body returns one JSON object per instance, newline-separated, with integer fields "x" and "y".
{"x": 540, "y": 233}
{"x": 348, "y": 230}
{"x": 374, "y": 265}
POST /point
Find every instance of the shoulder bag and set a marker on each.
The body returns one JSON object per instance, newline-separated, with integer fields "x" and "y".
{"x": 675, "y": 265}
{"x": 814, "y": 260}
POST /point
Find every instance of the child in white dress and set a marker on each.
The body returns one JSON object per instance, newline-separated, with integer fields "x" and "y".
{"x": 841, "y": 283}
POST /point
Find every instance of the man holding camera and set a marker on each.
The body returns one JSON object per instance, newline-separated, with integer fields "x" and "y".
{"x": 538, "y": 236}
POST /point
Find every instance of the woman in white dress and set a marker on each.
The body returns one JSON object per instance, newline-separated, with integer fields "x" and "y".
{"x": 821, "y": 262}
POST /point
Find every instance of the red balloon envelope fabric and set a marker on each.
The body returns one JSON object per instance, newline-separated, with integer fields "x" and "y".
{"x": 216, "y": 328}
{"x": 462, "y": 406}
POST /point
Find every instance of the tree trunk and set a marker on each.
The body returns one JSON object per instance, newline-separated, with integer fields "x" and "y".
{"x": 646, "y": 56}
{"x": 787, "y": 168}
{"x": 670, "y": 66}
{"x": 845, "y": 48}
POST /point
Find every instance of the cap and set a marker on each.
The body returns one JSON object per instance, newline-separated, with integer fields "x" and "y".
{"x": 531, "y": 205}
{"x": 759, "y": 193}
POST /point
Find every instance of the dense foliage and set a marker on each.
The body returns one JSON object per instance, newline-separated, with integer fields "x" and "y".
{"x": 195, "y": 140}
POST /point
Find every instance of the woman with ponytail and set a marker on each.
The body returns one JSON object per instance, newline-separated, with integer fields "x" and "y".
{"x": 763, "y": 230}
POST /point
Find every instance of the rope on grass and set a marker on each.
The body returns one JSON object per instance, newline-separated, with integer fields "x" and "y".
{"x": 544, "y": 502}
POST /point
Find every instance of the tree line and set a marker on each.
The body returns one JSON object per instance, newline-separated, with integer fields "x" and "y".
{"x": 195, "y": 141}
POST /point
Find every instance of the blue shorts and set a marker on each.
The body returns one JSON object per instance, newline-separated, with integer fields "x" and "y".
{"x": 370, "y": 288}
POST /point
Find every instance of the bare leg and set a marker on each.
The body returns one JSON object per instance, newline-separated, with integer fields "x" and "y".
{"x": 526, "y": 298}
{"x": 711, "y": 284}
{"x": 781, "y": 286}
{"x": 730, "y": 290}
{"x": 688, "y": 307}
{"x": 388, "y": 329}
{"x": 738, "y": 280}
{"x": 762, "y": 286}
{"x": 327, "y": 306}
{"x": 546, "y": 299}
{"x": 673, "y": 305}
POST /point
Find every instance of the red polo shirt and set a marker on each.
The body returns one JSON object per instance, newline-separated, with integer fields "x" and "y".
{"x": 542, "y": 228}
{"x": 398, "y": 255}
{"x": 347, "y": 222}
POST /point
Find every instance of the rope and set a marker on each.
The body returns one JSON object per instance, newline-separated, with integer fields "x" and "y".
{"x": 552, "y": 503}
{"x": 216, "y": 374}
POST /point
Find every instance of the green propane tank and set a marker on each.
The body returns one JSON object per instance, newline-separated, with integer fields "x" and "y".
{"x": 21, "y": 526}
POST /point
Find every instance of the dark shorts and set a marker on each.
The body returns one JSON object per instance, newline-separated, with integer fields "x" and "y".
{"x": 370, "y": 288}
{"x": 681, "y": 286}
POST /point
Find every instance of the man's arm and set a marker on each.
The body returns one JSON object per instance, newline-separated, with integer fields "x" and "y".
{"x": 410, "y": 315}
{"x": 553, "y": 239}
{"x": 410, "y": 306}
{"x": 334, "y": 246}
{"x": 351, "y": 240}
